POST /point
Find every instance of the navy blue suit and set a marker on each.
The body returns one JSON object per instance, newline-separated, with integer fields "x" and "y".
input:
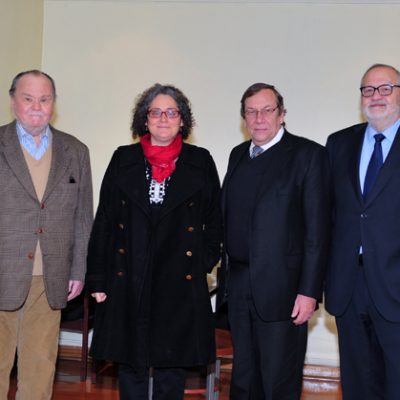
{"x": 364, "y": 292}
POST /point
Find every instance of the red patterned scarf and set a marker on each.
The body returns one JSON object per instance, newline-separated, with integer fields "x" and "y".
{"x": 161, "y": 158}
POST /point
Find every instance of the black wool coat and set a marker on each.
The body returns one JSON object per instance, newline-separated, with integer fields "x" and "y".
{"x": 153, "y": 270}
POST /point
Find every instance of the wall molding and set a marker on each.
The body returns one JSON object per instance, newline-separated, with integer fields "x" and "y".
{"x": 272, "y": 2}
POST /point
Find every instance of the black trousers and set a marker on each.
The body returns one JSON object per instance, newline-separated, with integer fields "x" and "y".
{"x": 369, "y": 348}
{"x": 168, "y": 383}
{"x": 268, "y": 356}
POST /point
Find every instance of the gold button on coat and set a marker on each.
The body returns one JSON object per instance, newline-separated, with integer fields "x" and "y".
{"x": 189, "y": 253}
{"x": 190, "y": 229}
{"x": 188, "y": 277}
{"x": 121, "y": 251}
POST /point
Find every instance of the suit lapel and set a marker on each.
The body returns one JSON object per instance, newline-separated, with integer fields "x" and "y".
{"x": 60, "y": 161}
{"x": 236, "y": 156}
{"x": 355, "y": 148}
{"x": 15, "y": 158}
{"x": 390, "y": 166}
{"x": 276, "y": 165}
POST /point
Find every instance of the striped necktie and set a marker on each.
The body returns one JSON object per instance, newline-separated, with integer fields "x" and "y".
{"x": 256, "y": 151}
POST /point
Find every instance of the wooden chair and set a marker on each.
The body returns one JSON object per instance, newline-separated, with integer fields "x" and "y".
{"x": 77, "y": 317}
{"x": 224, "y": 350}
{"x": 212, "y": 385}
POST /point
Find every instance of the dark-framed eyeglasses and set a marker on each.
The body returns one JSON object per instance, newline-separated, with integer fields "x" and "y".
{"x": 264, "y": 112}
{"x": 384, "y": 90}
{"x": 169, "y": 113}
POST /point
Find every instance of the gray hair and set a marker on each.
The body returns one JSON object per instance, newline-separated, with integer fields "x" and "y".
{"x": 396, "y": 71}
{"x": 34, "y": 72}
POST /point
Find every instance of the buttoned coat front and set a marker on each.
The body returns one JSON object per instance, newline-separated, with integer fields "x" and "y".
{"x": 153, "y": 269}
{"x": 61, "y": 221}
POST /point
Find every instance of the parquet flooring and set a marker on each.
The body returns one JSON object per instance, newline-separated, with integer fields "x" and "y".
{"x": 67, "y": 386}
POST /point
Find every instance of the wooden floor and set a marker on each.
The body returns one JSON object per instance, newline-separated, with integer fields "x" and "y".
{"x": 67, "y": 386}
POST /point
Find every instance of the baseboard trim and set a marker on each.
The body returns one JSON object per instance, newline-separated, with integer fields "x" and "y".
{"x": 316, "y": 377}
{"x": 321, "y": 378}
{"x": 322, "y": 372}
{"x": 72, "y": 353}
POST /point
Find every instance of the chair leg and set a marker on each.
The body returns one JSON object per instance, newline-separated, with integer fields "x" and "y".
{"x": 93, "y": 376}
{"x": 217, "y": 378}
{"x": 151, "y": 382}
{"x": 210, "y": 389}
{"x": 85, "y": 338}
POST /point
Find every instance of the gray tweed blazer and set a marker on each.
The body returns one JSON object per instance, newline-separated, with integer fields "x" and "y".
{"x": 62, "y": 221}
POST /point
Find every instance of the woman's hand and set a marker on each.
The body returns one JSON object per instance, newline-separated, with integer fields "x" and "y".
{"x": 99, "y": 297}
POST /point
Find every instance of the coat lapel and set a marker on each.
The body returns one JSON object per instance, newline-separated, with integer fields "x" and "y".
{"x": 15, "y": 158}
{"x": 132, "y": 178}
{"x": 187, "y": 179}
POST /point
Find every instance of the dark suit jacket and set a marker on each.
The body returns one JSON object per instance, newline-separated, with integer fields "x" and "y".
{"x": 64, "y": 215}
{"x": 289, "y": 227}
{"x": 374, "y": 224}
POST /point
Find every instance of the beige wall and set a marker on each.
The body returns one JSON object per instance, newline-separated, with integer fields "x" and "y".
{"x": 21, "y": 26}
{"x": 103, "y": 53}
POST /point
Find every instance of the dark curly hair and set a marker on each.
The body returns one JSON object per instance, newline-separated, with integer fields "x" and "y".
{"x": 139, "y": 127}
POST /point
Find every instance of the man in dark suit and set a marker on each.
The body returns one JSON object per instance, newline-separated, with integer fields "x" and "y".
{"x": 363, "y": 280}
{"x": 276, "y": 213}
{"x": 45, "y": 222}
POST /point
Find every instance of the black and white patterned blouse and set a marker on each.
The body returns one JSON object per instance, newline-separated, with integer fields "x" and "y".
{"x": 157, "y": 190}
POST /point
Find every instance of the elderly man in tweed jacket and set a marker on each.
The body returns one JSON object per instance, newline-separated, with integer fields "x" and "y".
{"x": 45, "y": 221}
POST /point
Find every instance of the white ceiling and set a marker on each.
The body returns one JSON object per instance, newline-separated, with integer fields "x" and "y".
{"x": 378, "y": 2}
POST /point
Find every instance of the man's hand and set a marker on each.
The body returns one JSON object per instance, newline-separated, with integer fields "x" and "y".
{"x": 100, "y": 297}
{"x": 74, "y": 289}
{"x": 303, "y": 309}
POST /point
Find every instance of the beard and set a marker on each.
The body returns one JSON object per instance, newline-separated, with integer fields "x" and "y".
{"x": 388, "y": 113}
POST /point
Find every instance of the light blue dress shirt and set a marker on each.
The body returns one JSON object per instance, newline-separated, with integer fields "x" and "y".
{"x": 27, "y": 140}
{"x": 368, "y": 147}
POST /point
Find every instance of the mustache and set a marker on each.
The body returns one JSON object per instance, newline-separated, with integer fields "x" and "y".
{"x": 377, "y": 103}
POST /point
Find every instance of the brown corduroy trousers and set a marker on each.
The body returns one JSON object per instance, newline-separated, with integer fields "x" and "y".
{"x": 32, "y": 331}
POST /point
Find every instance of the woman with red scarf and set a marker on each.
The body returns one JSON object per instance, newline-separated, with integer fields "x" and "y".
{"x": 156, "y": 235}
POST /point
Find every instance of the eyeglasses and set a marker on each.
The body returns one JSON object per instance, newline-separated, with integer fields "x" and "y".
{"x": 170, "y": 113}
{"x": 384, "y": 90}
{"x": 264, "y": 112}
